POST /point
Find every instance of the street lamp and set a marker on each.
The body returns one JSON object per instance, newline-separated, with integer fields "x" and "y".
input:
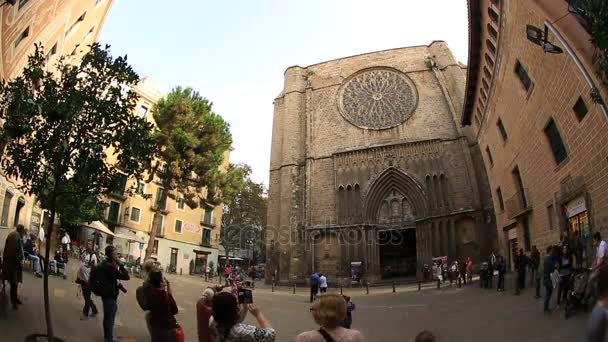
{"x": 538, "y": 37}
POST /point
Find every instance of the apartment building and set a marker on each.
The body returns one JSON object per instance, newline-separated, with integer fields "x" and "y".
{"x": 62, "y": 27}
{"x": 534, "y": 101}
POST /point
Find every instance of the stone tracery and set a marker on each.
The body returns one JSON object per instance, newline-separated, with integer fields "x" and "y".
{"x": 378, "y": 98}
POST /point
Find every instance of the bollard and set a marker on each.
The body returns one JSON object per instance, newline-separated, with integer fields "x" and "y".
{"x": 366, "y": 288}
{"x": 419, "y": 285}
{"x": 341, "y": 288}
{"x": 459, "y": 282}
{"x": 180, "y": 271}
{"x": 273, "y": 286}
{"x": 294, "y": 288}
{"x": 394, "y": 290}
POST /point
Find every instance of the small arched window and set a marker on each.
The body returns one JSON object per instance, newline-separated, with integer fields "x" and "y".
{"x": 437, "y": 188}
{"x": 357, "y": 199}
{"x": 491, "y": 47}
{"x": 349, "y": 203}
{"x": 492, "y": 31}
{"x": 489, "y": 60}
{"x": 430, "y": 191}
{"x": 444, "y": 189}
{"x": 340, "y": 204}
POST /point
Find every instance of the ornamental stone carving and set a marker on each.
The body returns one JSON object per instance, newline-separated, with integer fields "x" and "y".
{"x": 377, "y": 98}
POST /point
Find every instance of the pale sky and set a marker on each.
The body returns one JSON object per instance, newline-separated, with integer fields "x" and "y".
{"x": 235, "y": 52}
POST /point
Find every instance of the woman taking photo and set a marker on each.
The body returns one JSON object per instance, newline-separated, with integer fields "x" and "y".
{"x": 162, "y": 309}
{"x": 328, "y": 312}
{"x": 225, "y": 325}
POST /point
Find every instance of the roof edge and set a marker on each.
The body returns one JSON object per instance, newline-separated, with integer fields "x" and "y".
{"x": 474, "y": 56}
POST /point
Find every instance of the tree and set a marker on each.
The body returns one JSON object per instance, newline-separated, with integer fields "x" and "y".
{"x": 244, "y": 218}
{"x": 70, "y": 134}
{"x": 192, "y": 142}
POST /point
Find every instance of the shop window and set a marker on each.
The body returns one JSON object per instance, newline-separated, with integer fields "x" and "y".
{"x": 489, "y": 154}
{"x": 501, "y": 203}
{"x": 580, "y": 109}
{"x": 523, "y": 76}
{"x": 555, "y": 142}
{"x": 502, "y": 130}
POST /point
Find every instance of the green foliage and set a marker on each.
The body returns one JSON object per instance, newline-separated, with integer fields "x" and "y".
{"x": 60, "y": 128}
{"x": 595, "y": 15}
{"x": 192, "y": 141}
{"x": 596, "y": 97}
{"x": 244, "y": 218}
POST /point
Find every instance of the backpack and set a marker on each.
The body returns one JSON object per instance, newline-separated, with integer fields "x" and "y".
{"x": 98, "y": 282}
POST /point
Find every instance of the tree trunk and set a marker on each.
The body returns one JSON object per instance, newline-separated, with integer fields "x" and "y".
{"x": 47, "y": 254}
{"x": 156, "y": 224}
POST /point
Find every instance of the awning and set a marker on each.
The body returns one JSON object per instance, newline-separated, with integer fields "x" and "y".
{"x": 97, "y": 225}
{"x": 231, "y": 258}
{"x": 129, "y": 238}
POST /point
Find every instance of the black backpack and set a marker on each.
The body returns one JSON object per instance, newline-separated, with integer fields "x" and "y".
{"x": 98, "y": 282}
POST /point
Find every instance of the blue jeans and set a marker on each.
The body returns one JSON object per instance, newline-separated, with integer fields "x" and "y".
{"x": 109, "y": 314}
{"x": 35, "y": 262}
{"x": 548, "y": 292}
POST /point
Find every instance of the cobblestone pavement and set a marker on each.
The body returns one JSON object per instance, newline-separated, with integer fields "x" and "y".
{"x": 454, "y": 314}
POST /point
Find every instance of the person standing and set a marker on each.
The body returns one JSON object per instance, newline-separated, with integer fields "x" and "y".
{"x": 350, "y": 307}
{"x": 598, "y": 320}
{"x": 314, "y": 286}
{"x": 113, "y": 271}
{"x": 520, "y": 266}
{"x": 323, "y": 283}
{"x": 226, "y": 324}
{"x": 227, "y": 273}
{"x": 534, "y": 274}
{"x": 470, "y": 269}
{"x": 501, "y": 266}
{"x": 65, "y": 241}
{"x": 328, "y": 312}
{"x": 491, "y": 268}
{"x": 204, "y": 310}
{"x": 162, "y": 309}
{"x": 565, "y": 270}
{"x": 548, "y": 268}
{"x": 12, "y": 261}
{"x": 89, "y": 260}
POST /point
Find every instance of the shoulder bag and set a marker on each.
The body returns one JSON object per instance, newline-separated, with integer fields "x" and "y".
{"x": 326, "y": 335}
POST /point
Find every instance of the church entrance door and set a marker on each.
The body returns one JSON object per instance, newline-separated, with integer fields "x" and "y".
{"x": 397, "y": 249}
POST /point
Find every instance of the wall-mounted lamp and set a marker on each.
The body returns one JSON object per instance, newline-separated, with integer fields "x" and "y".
{"x": 538, "y": 37}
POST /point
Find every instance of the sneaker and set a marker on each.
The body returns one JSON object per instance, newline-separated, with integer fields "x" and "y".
{"x": 84, "y": 318}
{"x": 38, "y": 275}
{"x": 93, "y": 315}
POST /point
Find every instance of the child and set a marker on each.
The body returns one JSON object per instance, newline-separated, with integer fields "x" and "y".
{"x": 350, "y": 307}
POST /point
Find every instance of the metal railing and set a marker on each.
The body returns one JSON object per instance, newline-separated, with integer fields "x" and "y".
{"x": 518, "y": 204}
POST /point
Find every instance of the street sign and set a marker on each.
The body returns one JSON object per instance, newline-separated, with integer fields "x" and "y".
{"x": 141, "y": 245}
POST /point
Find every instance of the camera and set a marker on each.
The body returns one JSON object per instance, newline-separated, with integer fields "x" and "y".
{"x": 245, "y": 296}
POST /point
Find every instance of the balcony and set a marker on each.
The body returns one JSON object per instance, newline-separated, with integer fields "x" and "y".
{"x": 206, "y": 243}
{"x": 519, "y": 204}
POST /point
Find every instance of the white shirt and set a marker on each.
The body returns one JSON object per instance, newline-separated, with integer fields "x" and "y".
{"x": 602, "y": 250}
{"x": 322, "y": 282}
{"x": 41, "y": 234}
{"x": 65, "y": 239}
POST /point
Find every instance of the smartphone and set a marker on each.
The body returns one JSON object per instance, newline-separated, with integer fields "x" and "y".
{"x": 245, "y": 296}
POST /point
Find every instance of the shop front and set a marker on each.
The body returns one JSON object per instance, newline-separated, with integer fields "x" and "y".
{"x": 578, "y": 227}
{"x": 200, "y": 262}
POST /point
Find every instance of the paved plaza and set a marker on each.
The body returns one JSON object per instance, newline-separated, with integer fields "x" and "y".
{"x": 454, "y": 314}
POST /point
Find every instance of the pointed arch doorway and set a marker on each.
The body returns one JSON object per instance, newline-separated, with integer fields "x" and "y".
{"x": 392, "y": 205}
